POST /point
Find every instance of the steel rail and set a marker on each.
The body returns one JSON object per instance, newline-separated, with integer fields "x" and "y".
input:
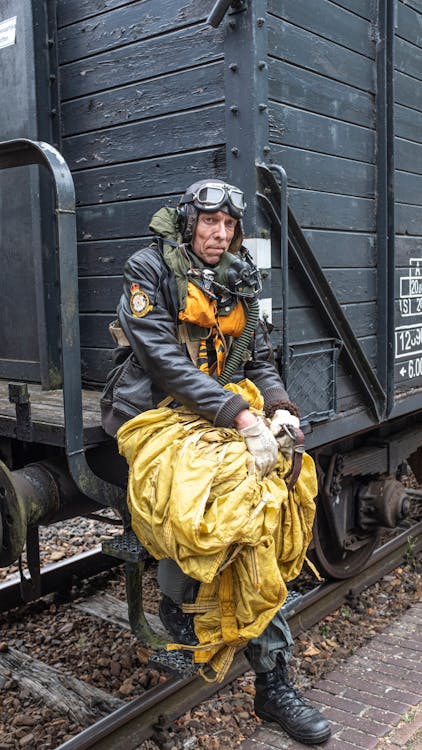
{"x": 58, "y": 576}
{"x": 313, "y": 607}
{"x": 145, "y": 716}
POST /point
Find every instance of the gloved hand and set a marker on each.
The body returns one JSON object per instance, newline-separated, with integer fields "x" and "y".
{"x": 262, "y": 445}
{"x": 281, "y": 427}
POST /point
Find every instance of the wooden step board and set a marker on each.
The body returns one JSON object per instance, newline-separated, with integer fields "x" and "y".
{"x": 47, "y": 414}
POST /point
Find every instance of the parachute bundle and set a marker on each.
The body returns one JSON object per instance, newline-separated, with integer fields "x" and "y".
{"x": 194, "y": 497}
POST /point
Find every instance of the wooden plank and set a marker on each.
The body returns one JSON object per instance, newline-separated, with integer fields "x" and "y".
{"x": 306, "y": 130}
{"x": 70, "y": 11}
{"x": 287, "y": 42}
{"x": 408, "y": 123}
{"x": 408, "y": 156}
{"x": 169, "y": 134}
{"x": 408, "y": 219}
{"x": 330, "y": 211}
{"x": 298, "y": 293}
{"x": 106, "y": 258}
{"x": 95, "y": 364}
{"x": 408, "y": 91}
{"x": 369, "y": 348}
{"x": 49, "y": 415}
{"x": 348, "y": 392}
{"x": 350, "y": 400}
{"x": 308, "y": 90}
{"x": 363, "y": 317}
{"x": 408, "y": 375}
{"x": 349, "y": 396}
{"x": 106, "y": 607}
{"x": 43, "y": 398}
{"x": 47, "y": 406}
{"x": 19, "y": 368}
{"x": 94, "y": 330}
{"x": 99, "y": 294}
{"x": 342, "y": 248}
{"x": 347, "y": 388}
{"x": 408, "y": 188}
{"x": 328, "y": 21}
{"x": 353, "y": 284}
{"x": 360, "y": 7}
{"x": 124, "y": 219}
{"x": 144, "y": 100}
{"x": 350, "y": 285}
{"x": 415, "y": 4}
{"x": 136, "y": 62}
{"x": 126, "y": 24}
{"x": 409, "y": 23}
{"x": 407, "y": 58}
{"x": 80, "y": 701}
{"x": 306, "y": 324}
{"x": 407, "y": 248}
{"x": 314, "y": 171}
{"x": 161, "y": 175}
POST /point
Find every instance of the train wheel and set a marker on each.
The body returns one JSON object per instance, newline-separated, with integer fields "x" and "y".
{"x": 340, "y": 563}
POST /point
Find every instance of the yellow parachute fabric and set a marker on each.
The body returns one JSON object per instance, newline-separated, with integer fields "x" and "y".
{"x": 194, "y": 497}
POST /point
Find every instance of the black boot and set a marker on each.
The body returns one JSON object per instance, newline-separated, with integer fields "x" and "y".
{"x": 178, "y": 624}
{"x": 277, "y": 700}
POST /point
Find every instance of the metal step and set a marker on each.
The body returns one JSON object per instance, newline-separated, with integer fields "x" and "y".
{"x": 125, "y": 546}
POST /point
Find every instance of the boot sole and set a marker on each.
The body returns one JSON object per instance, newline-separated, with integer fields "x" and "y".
{"x": 316, "y": 739}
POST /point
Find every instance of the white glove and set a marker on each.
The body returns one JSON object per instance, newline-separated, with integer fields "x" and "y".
{"x": 262, "y": 445}
{"x": 280, "y": 426}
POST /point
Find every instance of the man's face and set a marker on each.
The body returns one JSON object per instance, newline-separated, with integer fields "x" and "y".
{"x": 212, "y": 236}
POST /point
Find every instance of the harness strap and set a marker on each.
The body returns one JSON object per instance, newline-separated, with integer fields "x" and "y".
{"x": 191, "y": 345}
{"x": 117, "y": 334}
{"x": 298, "y": 452}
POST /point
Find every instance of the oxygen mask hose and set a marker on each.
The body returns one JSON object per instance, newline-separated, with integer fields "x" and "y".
{"x": 239, "y": 347}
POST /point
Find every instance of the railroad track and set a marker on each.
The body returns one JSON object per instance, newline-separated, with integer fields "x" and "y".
{"x": 58, "y": 576}
{"x": 124, "y": 726}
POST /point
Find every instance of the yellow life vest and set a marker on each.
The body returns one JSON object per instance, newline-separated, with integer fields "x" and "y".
{"x": 201, "y": 309}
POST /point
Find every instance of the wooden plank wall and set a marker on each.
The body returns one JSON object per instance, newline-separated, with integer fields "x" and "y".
{"x": 322, "y": 131}
{"x": 142, "y": 106}
{"x": 408, "y": 170}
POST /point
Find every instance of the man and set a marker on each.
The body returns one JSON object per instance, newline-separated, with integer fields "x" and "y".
{"x": 188, "y": 324}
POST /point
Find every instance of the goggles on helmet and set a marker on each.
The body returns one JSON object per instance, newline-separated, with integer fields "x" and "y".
{"x": 213, "y": 196}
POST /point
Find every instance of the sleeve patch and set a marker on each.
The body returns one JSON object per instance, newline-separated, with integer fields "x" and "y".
{"x": 139, "y": 302}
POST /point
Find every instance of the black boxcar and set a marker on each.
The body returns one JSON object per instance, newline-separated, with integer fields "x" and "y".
{"x": 315, "y": 110}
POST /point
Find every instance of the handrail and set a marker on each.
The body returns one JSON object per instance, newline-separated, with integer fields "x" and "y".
{"x": 313, "y": 276}
{"x": 23, "y": 152}
{"x": 284, "y": 261}
{"x": 220, "y": 9}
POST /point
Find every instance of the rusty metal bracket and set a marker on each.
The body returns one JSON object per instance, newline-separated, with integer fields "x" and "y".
{"x": 30, "y": 588}
{"x": 19, "y": 395}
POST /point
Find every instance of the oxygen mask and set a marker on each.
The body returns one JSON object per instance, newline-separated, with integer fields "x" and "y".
{"x": 243, "y": 278}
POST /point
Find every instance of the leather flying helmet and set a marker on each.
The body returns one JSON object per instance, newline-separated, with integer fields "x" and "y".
{"x": 211, "y": 196}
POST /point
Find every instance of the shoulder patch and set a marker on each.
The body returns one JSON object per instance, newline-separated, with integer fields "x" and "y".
{"x": 139, "y": 301}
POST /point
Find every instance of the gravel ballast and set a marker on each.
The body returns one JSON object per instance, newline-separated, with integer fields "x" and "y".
{"x": 107, "y": 657}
